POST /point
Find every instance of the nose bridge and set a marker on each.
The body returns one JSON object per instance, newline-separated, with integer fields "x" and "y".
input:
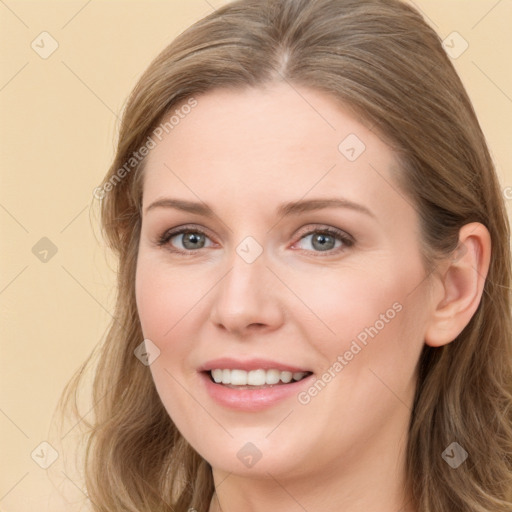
{"x": 246, "y": 295}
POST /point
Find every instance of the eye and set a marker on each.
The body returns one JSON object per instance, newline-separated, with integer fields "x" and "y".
{"x": 326, "y": 239}
{"x": 188, "y": 239}
{"x": 185, "y": 239}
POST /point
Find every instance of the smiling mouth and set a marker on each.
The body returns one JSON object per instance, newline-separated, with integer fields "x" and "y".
{"x": 254, "y": 379}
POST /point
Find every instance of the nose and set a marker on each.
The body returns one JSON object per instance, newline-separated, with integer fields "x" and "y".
{"x": 247, "y": 299}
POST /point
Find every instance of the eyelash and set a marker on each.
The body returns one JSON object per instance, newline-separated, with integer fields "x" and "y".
{"x": 346, "y": 239}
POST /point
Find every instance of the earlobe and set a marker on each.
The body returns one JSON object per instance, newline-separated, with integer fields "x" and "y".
{"x": 462, "y": 283}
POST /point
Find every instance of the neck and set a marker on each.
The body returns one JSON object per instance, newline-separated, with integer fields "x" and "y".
{"x": 370, "y": 479}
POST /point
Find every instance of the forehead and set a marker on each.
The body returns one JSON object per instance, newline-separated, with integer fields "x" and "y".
{"x": 279, "y": 142}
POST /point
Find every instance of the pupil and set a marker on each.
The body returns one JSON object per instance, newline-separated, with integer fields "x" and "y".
{"x": 192, "y": 238}
{"x": 324, "y": 241}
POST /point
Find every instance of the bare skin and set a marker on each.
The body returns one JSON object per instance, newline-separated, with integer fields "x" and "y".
{"x": 303, "y": 301}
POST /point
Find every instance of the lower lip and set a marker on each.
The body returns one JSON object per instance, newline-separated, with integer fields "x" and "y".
{"x": 252, "y": 399}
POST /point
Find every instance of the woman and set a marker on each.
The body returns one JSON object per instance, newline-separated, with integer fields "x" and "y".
{"x": 313, "y": 303}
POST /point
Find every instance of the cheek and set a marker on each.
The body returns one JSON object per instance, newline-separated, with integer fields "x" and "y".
{"x": 370, "y": 364}
{"x": 152, "y": 297}
{"x": 370, "y": 318}
{"x": 343, "y": 304}
{"x": 380, "y": 324}
{"x": 164, "y": 296}
{"x": 164, "y": 300}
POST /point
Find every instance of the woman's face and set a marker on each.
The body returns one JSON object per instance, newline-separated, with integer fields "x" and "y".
{"x": 299, "y": 257}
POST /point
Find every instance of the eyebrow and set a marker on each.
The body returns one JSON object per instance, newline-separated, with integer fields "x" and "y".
{"x": 284, "y": 210}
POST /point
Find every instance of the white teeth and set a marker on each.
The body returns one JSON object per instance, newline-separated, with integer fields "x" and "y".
{"x": 271, "y": 377}
{"x": 238, "y": 378}
{"x": 258, "y": 377}
{"x": 217, "y": 375}
{"x": 287, "y": 377}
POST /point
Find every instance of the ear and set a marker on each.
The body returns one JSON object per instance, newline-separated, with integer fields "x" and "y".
{"x": 461, "y": 280}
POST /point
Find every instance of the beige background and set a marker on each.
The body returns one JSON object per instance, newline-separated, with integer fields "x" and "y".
{"x": 59, "y": 118}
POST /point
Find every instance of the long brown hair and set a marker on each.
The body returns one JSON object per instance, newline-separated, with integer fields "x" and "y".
{"x": 381, "y": 59}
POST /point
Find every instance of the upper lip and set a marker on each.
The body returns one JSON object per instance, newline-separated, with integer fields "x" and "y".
{"x": 228, "y": 363}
